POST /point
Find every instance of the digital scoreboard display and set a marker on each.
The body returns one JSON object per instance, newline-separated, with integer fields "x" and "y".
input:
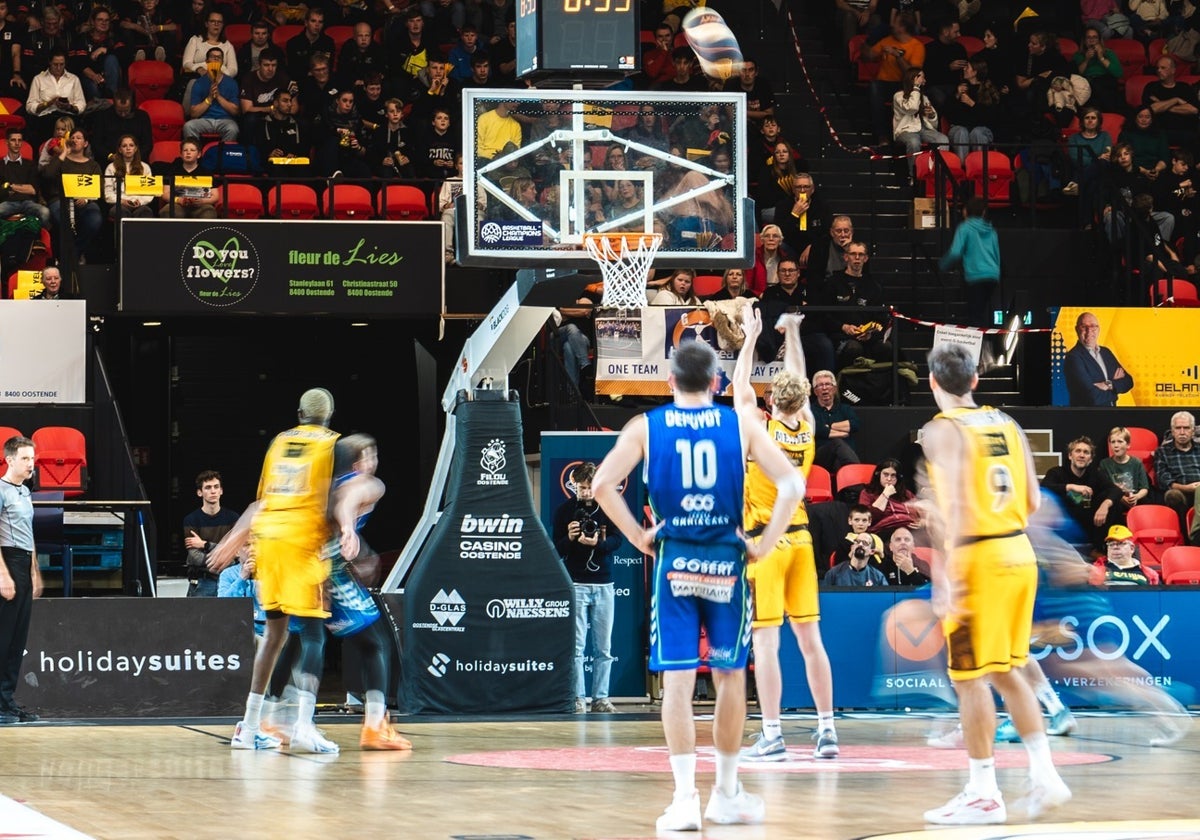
{"x": 555, "y": 36}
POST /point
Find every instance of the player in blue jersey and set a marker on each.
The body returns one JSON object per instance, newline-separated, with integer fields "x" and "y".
{"x": 694, "y": 454}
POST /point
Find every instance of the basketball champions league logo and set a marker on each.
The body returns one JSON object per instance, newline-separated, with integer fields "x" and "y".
{"x": 219, "y": 267}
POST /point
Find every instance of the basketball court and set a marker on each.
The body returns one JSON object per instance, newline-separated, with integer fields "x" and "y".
{"x": 559, "y": 777}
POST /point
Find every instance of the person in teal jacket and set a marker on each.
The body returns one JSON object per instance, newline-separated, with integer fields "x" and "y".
{"x": 976, "y": 247}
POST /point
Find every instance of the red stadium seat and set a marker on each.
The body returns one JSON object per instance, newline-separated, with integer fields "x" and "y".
{"x": 60, "y": 459}
{"x": 292, "y": 201}
{"x": 1181, "y": 565}
{"x": 150, "y": 79}
{"x": 866, "y": 70}
{"x": 166, "y": 118}
{"x": 349, "y": 201}
{"x": 819, "y": 486}
{"x": 240, "y": 200}
{"x": 404, "y": 202}
{"x": 992, "y": 174}
{"x": 849, "y": 475}
{"x": 1155, "y": 529}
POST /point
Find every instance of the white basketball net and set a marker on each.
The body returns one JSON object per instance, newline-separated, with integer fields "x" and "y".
{"x": 624, "y": 270}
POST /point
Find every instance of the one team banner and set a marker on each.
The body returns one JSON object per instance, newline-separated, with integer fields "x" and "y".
{"x": 1155, "y": 347}
{"x": 634, "y": 347}
{"x": 561, "y": 453}
{"x": 34, "y": 369}
{"x": 274, "y": 267}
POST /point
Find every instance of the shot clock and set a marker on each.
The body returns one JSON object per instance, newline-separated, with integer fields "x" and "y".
{"x": 555, "y": 36}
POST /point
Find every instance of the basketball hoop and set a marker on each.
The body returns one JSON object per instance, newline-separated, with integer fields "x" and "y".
{"x": 624, "y": 260}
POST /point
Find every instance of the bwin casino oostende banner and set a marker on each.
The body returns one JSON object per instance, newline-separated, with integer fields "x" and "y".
{"x": 377, "y": 268}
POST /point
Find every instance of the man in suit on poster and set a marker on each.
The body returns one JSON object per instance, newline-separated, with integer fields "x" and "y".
{"x": 1093, "y": 374}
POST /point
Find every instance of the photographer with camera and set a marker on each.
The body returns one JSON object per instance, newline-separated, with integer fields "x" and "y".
{"x": 585, "y": 542}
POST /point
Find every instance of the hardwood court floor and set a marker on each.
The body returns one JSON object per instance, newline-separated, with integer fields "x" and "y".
{"x": 555, "y": 777}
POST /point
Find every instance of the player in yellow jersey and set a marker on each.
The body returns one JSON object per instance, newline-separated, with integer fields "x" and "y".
{"x": 290, "y": 525}
{"x": 984, "y": 488}
{"x": 785, "y": 580}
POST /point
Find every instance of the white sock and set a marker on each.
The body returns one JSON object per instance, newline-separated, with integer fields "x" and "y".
{"x": 253, "y": 716}
{"x": 374, "y": 709}
{"x": 727, "y": 781}
{"x": 772, "y": 729}
{"x": 1041, "y": 763}
{"x": 1049, "y": 698}
{"x": 683, "y": 768}
{"x": 983, "y": 776}
{"x": 825, "y": 721}
{"x": 306, "y": 707}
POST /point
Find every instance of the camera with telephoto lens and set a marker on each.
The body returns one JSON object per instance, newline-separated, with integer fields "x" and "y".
{"x": 588, "y": 526}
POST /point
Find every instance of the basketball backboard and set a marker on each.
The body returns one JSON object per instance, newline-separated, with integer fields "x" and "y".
{"x": 602, "y": 161}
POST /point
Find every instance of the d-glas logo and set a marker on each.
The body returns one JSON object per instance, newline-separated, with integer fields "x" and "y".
{"x": 447, "y": 610}
{"x": 493, "y": 458}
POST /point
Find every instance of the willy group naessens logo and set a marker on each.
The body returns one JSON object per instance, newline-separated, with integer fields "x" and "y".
{"x": 219, "y": 266}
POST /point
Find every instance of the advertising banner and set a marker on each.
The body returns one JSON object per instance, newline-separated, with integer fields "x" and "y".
{"x": 561, "y": 453}
{"x": 488, "y": 607}
{"x": 138, "y": 657}
{"x": 57, "y": 371}
{"x": 282, "y": 267}
{"x": 634, "y": 346}
{"x": 1109, "y": 646}
{"x": 1147, "y": 357}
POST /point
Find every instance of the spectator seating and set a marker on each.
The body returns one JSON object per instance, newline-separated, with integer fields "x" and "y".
{"x": 1142, "y": 443}
{"x": 707, "y": 284}
{"x": 1155, "y": 529}
{"x": 60, "y": 459}
{"x": 1158, "y": 47}
{"x": 166, "y": 118}
{"x": 926, "y": 170}
{"x": 819, "y": 487}
{"x": 7, "y": 432}
{"x": 971, "y": 44}
{"x": 866, "y": 69}
{"x": 293, "y": 201}
{"x": 992, "y": 174}
{"x": 404, "y": 202}
{"x": 1135, "y": 86}
{"x": 1131, "y": 53}
{"x": 849, "y": 475}
{"x": 1109, "y": 121}
{"x": 1067, "y": 47}
{"x": 349, "y": 201}
{"x": 340, "y": 33}
{"x": 150, "y": 79}
{"x": 1184, "y": 293}
{"x": 282, "y": 34}
{"x": 238, "y": 34}
{"x": 241, "y": 200}
{"x": 164, "y": 151}
{"x": 13, "y": 116}
{"x": 1181, "y": 565}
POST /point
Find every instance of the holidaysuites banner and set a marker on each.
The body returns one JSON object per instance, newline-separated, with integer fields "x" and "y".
{"x": 282, "y": 267}
{"x": 634, "y": 347}
{"x": 1154, "y": 350}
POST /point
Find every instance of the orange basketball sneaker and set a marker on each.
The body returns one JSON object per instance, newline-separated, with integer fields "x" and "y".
{"x": 383, "y": 737}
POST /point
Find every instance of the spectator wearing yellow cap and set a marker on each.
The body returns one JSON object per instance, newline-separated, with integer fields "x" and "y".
{"x": 1121, "y": 565}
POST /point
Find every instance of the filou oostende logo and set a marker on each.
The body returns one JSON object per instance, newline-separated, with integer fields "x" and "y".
{"x": 219, "y": 266}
